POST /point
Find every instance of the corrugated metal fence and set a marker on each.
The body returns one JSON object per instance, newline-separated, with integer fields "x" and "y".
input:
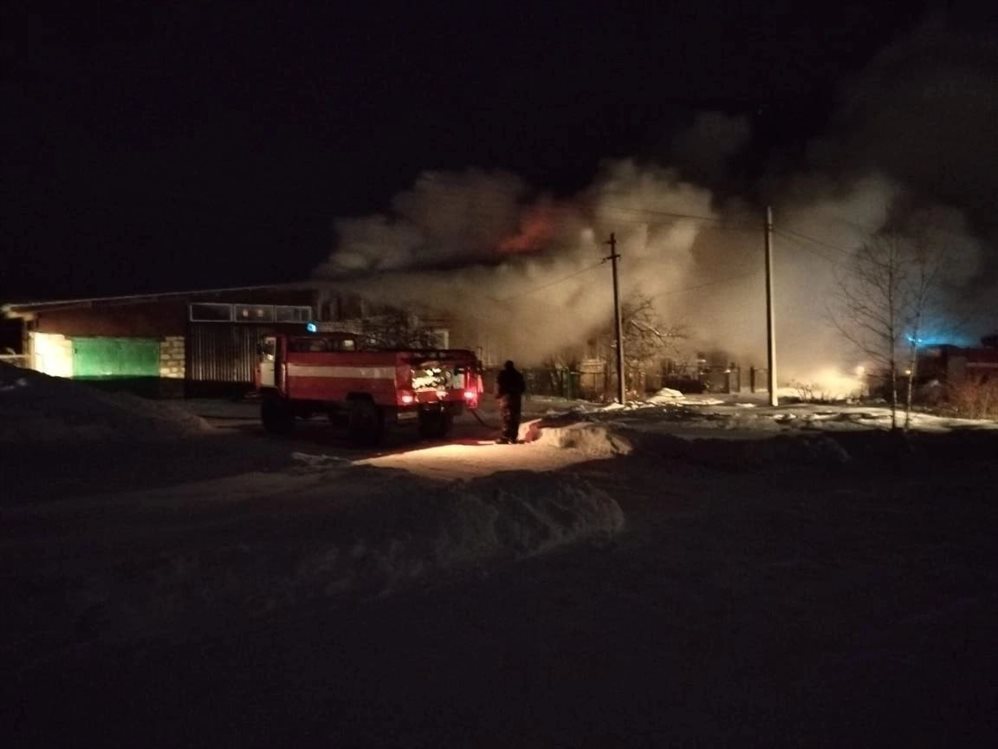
{"x": 221, "y": 353}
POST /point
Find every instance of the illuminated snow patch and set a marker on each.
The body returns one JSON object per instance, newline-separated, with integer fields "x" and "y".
{"x": 598, "y": 440}
{"x": 308, "y": 462}
{"x": 665, "y": 395}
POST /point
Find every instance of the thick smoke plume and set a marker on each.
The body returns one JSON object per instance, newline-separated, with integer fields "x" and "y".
{"x": 526, "y": 267}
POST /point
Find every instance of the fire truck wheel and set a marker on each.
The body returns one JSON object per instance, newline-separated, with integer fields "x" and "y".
{"x": 434, "y": 425}
{"x": 277, "y": 416}
{"x": 365, "y": 423}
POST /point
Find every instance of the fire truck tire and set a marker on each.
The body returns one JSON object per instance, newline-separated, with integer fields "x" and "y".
{"x": 365, "y": 423}
{"x": 434, "y": 425}
{"x": 277, "y": 416}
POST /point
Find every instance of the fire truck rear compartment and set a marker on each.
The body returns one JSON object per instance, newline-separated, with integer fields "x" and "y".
{"x": 430, "y": 376}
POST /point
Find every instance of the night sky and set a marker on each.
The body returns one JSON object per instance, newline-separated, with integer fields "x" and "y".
{"x": 184, "y": 145}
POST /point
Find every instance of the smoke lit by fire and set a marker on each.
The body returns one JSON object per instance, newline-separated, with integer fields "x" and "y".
{"x": 527, "y": 267}
{"x": 537, "y": 230}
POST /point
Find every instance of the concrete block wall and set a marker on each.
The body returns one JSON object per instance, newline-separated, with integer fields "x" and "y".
{"x": 172, "y": 357}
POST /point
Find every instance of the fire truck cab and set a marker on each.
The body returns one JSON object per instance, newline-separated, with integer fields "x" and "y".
{"x": 302, "y": 375}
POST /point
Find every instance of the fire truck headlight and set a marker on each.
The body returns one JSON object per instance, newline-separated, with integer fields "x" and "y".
{"x": 470, "y": 395}
{"x": 407, "y": 399}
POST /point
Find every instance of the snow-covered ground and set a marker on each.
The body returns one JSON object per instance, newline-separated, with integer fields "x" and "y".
{"x": 676, "y": 570}
{"x": 145, "y": 558}
{"x": 751, "y": 417}
{"x": 36, "y": 408}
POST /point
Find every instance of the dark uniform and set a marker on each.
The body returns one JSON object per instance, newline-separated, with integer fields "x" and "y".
{"x": 509, "y": 391}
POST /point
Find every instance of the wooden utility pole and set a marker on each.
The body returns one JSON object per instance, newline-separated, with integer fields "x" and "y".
{"x": 621, "y": 397}
{"x": 770, "y": 319}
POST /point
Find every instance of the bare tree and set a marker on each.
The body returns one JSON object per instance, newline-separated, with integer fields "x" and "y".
{"x": 396, "y": 329}
{"x": 646, "y": 339}
{"x": 922, "y": 283}
{"x": 883, "y": 299}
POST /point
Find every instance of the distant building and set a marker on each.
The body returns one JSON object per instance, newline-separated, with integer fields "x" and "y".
{"x": 194, "y": 342}
{"x": 947, "y": 364}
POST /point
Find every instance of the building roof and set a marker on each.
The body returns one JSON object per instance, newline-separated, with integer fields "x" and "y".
{"x": 17, "y": 309}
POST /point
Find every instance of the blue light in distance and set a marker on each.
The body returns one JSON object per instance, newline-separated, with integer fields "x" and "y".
{"x": 311, "y": 327}
{"x": 939, "y": 335}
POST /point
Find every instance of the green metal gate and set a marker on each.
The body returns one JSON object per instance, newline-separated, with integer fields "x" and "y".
{"x": 115, "y": 357}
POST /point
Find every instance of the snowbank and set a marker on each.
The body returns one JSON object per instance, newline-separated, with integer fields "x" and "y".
{"x": 652, "y": 432}
{"x": 665, "y": 395}
{"x": 400, "y": 536}
{"x": 739, "y": 433}
{"x": 743, "y": 454}
{"x": 596, "y": 440}
{"x": 160, "y": 559}
{"x": 37, "y": 408}
{"x": 741, "y": 417}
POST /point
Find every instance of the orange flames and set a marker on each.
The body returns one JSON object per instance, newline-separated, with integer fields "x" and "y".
{"x": 537, "y": 228}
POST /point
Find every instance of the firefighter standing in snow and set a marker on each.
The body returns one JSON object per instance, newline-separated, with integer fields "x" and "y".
{"x": 509, "y": 391}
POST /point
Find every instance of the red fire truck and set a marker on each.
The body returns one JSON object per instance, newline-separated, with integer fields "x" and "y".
{"x": 299, "y": 376}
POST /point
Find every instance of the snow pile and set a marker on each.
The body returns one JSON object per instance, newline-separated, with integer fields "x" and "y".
{"x": 736, "y": 433}
{"x": 597, "y": 440}
{"x": 37, "y": 408}
{"x": 741, "y": 454}
{"x": 851, "y": 418}
{"x": 398, "y": 537}
{"x": 665, "y": 395}
{"x": 325, "y": 533}
{"x": 816, "y": 449}
{"x": 741, "y": 417}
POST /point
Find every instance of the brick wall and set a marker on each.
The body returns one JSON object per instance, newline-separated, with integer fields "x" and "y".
{"x": 171, "y": 357}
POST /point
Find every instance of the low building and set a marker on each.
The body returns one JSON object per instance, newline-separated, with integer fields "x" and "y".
{"x": 948, "y": 364}
{"x": 169, "y": 344}
{"x": 182, "y": 343}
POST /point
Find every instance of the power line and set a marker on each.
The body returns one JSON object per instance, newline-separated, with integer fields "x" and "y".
{"x": 868, "y": 230}
{"x": 796, "y": 234}
{"x": 667, "y": 214}
{"x": 671, "y": 292}
{"x": 515, "y": 193}
{"x": 816, "y": 253}
{"x": 688, "y": 289}
{"x": 726, "y": 227}
{"x": 551, "y": 283}
{"x": 797, "y": 243}
{"x": 728, "y": 224}
{"x": 931, "y": 228}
